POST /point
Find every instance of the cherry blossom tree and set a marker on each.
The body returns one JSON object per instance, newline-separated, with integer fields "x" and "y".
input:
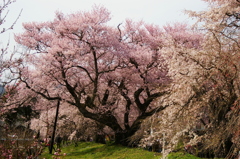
{"x": 169, "y": 126}
{"x": 206, "y": 84}
{"x": 69, "y": 120}
{"x": 113, "y": 75}
{"x": 10, "y": 148}
{"x": 220, "y": 62}
{"x": 5, "y": 56}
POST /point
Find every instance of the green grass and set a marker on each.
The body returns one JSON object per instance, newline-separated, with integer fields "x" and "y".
{"x": 91, "y": 150}
{"x": 182, "y": 155}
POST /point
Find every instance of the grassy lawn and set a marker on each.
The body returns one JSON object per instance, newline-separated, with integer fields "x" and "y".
{"x": 91, "y": 150}
{"x": 182, "y": 155}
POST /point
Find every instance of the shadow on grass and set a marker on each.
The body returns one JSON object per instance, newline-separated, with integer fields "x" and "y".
{"x": 101, "y": 151}
{"x": 98, "y": 151}
{"x": 83, "y": 151}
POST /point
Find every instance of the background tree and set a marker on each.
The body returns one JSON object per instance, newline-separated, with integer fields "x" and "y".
{"x": 112, "y": 75}
{"x": 6, "y": 58}
{"x": 207, "y": 83}
{"x": 10, "y": 148}
{"x": 20, "y": 114}
{"x": 221, "y": 83}
{"x": 5, "y": 55}
{"x": 69, "y": 120}
{"x": 170, "y": 125}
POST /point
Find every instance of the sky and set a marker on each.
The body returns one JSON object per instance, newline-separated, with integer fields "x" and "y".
{"x": 158, "y": 12}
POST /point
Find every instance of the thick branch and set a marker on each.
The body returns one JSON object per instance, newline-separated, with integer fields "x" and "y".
{"x": 88, "y": 74}
{"x": 105, "y": 97}
{"x": 126, "y": 115}
{"x": 143, "y": 106}
{"x": 68, "y": 86}
{"x": 40, "y": 93}
{"x": 136, "y": 97}
{"x": 124, "y": 93}
{"x": 136, "y": 125}
{"x": 108, "y": 119}
{"x": 95, "y": 81}
{"x": 120, "y": 32}
{"x": 154, "y": 96}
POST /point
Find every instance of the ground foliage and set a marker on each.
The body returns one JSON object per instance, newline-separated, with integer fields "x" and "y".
{"x": 90, "y": 150}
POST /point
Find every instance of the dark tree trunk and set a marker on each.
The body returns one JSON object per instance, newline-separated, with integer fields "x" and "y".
{"x": 122, "y": 138}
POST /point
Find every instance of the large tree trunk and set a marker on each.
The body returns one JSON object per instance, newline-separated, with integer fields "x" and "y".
{"x": 121, "y": 138}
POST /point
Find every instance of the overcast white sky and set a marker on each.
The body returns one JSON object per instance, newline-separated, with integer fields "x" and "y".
{"x": 151, "y": 11}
